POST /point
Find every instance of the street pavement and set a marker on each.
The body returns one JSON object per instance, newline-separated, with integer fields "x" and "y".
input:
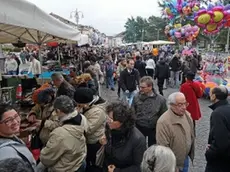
{"x": 202, "y": 127}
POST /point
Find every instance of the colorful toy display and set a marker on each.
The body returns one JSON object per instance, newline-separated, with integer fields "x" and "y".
{"x": 175, "y": 9}
{"x": 211, "y": 19}
{"x": 185, "y": 33}
{"x": 214, "y": 72}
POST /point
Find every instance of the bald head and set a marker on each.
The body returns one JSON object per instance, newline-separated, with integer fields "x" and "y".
{"x": 219, "y": 93}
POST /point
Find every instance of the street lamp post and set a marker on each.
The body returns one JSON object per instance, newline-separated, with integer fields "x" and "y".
{"x": 76, "y": 15}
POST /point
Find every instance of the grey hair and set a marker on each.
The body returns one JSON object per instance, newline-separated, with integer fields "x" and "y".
{"x": 64, "y": 104}
{"x": 57, "y": 76}
{"x": 148, "y": 80}
{"x": 172, "y": 97}
{"x": 158, "y": 159}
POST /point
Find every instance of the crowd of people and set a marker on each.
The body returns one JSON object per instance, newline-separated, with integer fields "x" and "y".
{"x": 77, "y": 130}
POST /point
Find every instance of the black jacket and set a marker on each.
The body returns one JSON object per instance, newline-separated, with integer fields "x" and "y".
{"x": 175, "y": 64}
{"x": 66, "y": 89}
{"x": 162, "y": 70}
{"x": 129, "y": 81}
{"x": 148, "y": 109}
{"x": 125, "y": 150}
{"x": 140, "y": 66}
{"x": 218, "y": 154}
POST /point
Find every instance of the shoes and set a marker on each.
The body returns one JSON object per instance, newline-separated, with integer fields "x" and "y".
{"x": 112, "y": 89}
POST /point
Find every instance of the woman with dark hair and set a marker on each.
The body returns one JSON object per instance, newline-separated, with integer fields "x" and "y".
{"x": 125, "y": 145}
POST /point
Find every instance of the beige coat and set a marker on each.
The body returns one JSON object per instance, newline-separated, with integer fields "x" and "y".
{"x": 171, "y": 133}
{"x": 96, "y": 119}
{"x": 51, "y": 120}
{"x": 66, "y": 148}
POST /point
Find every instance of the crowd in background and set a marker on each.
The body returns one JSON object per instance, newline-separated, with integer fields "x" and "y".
{"x": 77, "y": 130}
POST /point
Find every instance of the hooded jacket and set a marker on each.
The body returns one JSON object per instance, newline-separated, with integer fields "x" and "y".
{"x": 66, "y": 148}
{"x": 96, "y": 119}
{"x": 15, "y": 148}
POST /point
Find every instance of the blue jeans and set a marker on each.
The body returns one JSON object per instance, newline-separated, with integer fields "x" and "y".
{"x": 11, "y": 73}
{"x": 109, "y": 82}
{"x": 175, "y": 78}
{"x": 186, "y": 165}
{"x": 128, "y": 97}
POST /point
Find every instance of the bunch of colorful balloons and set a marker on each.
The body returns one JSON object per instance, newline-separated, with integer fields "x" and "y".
{"x": 187, "y": 33}
{"x": 211, "y": 19}
{"x": 175, "y": 9}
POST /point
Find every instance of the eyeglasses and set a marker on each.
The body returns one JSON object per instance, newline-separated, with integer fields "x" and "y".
{"x": 9, "y": 121}
{"x": 186, "y": 104}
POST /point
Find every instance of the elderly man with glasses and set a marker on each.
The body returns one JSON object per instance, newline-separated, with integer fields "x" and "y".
{"x": 10, "y": 145}
{"x": 175, "y": 130}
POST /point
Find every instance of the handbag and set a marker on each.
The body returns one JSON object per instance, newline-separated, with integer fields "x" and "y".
{"x": 36, "y": 143}
{"x": 100, "y": 156}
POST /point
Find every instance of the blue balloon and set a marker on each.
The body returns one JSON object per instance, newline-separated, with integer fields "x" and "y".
{"x": 171, "y": 32}
{"x": 184, "y": 4}
{"x": 227, "y": 7}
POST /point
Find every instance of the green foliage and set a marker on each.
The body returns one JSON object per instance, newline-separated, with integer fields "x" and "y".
{"x": 142, "y": 29}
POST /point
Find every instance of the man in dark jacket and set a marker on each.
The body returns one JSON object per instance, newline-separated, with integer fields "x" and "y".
{"x": 140, "y": 66}
{"x": 162, "y": 73}
{"x": 64, "y": 88}
{"x": 129, "y": 80}
{"x": 218, "y": 150}
{"x": 175, "y": 65}
{"x": 148, "y": 107}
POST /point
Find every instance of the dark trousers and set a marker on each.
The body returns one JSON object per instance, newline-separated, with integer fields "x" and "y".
{"x": 217, "y": 167}
{"x": 160, "y": 83}
{"x": 150, "y": 72}
{"x": 91, "y": 157}
{"x": 82, "y": 168}
{"x": 148, "y": 132}
{"x": 119, "y": 88}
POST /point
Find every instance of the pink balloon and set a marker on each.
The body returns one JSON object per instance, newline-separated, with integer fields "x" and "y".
{"x": 177, "y": 34}
{"x": 194, "y": 29}
{"x": 186, "y": 34}
{"x": 201, "y": 12}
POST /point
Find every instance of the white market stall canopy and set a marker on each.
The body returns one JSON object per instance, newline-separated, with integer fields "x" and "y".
{"x": 84, "y": 40}
{"x": 160, "y": 42}
{"x": 22, "y": 20}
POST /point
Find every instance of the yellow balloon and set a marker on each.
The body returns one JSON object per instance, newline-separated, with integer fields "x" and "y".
{"x": 195, "y": 8}
{"x": 211, "y": 27}
{"x": 204, "y": 19}
{"x": 168, "y": 11}
{"x": 177, "y": 26}
{"x": 218, "y": 16}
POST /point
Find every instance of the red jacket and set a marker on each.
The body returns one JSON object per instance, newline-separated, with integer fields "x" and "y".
{"x": 192, "y": 92}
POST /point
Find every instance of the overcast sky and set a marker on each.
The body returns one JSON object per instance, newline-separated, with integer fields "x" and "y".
{"x": 108, "y": 16}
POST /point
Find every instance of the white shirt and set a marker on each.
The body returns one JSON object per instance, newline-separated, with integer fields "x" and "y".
{"x": 35, "y": 67}
{"x": 150, "y": 64}
{"x": 11, "y": 65}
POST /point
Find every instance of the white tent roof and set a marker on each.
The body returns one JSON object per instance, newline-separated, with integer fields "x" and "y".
{"x": 20, "y": 19}
{"x": 84, "y": 40}
{"x": 160, "y": 42}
